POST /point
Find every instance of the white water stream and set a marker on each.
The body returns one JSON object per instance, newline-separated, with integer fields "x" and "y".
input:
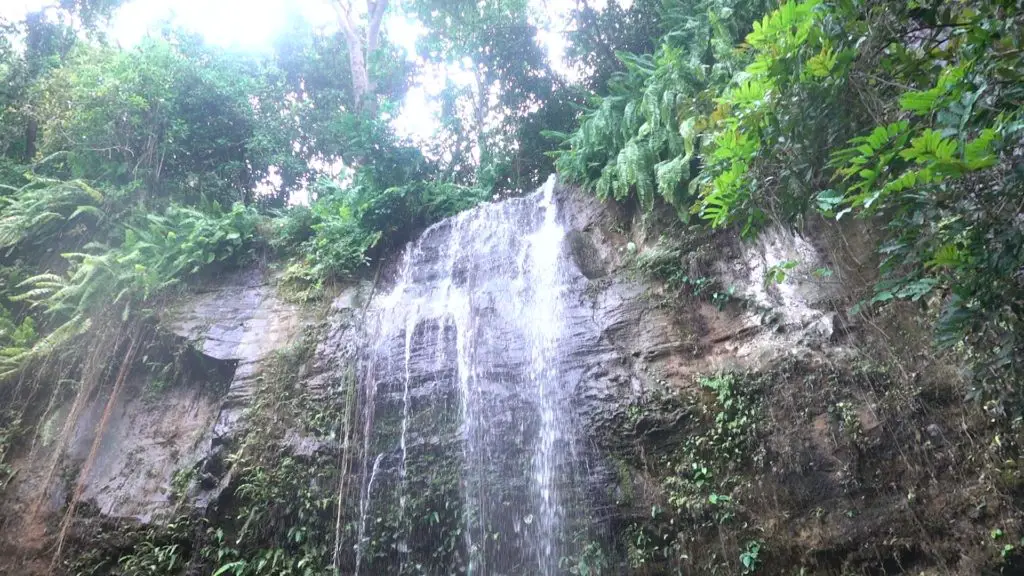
{"x": 475, "y": 314}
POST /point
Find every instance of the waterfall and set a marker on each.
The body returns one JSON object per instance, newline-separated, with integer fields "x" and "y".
{"x": 467, "y": 400}
{"x": 364, "y": 509}
{"x": 544, "y": 322}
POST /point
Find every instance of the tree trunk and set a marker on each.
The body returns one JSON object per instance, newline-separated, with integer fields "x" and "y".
{"x": 357, "y": 64}
{"x": 31, "y": 134}
{"x": 359, "y": 50}
{"x": 480, "y": 112}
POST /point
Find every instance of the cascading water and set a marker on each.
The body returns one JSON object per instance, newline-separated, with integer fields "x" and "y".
{"x": 467, "y": 401}
{"x": 364, "y": 508}
{"x": 542, "y": 312}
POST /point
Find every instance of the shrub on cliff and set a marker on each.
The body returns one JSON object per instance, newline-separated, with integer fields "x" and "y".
{"x": 908, "y": 114}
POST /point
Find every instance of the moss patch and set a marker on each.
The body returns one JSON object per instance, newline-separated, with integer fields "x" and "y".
{"x": 825, "y": 464}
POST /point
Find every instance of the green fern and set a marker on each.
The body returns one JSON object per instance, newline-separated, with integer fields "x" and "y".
{"x": 947, "y": 88}
{"x": 642, "y": 138}
{"x": 785, "y": 48}
{"x": 41, "y": 207}
{"x": 11, "y": 364}
{"x": 784, "y": 29}
{"x": 154, "y": 255}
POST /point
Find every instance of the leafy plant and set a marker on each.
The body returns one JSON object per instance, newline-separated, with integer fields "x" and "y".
{"x": 640, "y": 550}
{"x": 702, "y": 481}
{"x": 346, "y": 223}
{"x": 149, "y": 558}
{"x": 910, "y": 115}
{"x": 153, "y": 256}
{"x": 340, "y": 244}
{"x": 43, "y": 207}
{"x": 680, "y": 264}
{"x": 9, "y": 432}
{"x": 776, "y": 273}
{"x": 645, "y": 136}
{"x": 16, "y": 338}
{"x": 750, "y": 557}
{"x": 591, "y": 561}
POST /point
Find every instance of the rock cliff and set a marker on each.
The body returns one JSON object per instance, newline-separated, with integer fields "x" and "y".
{"x": 536, "y": 386}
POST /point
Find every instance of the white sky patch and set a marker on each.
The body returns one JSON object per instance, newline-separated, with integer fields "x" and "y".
{"x": 252, "y": 26}
{"x": 421, "y": 110}
{"x": 419, "y": 116}
{"x": 241, "y": 24}
{"x": 16, "y": 9}
{"x": 553, "y": 19}
{"x": 405, "y": 33}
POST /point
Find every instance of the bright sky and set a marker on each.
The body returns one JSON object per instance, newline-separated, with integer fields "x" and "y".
{"x": 251, "y": 25}
{"x": 248, "y": 25}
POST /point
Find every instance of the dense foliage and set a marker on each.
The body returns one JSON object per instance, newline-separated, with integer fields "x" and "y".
{"x": 128, "y": 173}
{"x": 907, "y": 113}
{"x": 124, "y": 171}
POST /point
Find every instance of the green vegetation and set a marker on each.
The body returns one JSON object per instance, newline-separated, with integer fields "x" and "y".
{"x": 702, "y": 472}
{"x": 127, "y": 174}
{"x": 591, "y": 561}
{"x": 282, "y": 518}
{"x": 908, "y": 114}
{"x": 684, "y": 263}
{"x": 750, "y": 557}
{"x": 153, "y": 256}
{"x": 705, "y": 465}
{"x": 130, "y": 173}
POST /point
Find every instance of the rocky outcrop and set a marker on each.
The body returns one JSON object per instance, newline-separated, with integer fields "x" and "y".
{"x": 240, "y": 320}
{"x": 498, "y": 319}
{"x": 640, "y": 334}
{"x": 552, "y": 377}
{"x": 168, "y": 419}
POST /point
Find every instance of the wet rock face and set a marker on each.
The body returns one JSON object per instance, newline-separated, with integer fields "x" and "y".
{"x": 507, "y": 345}
{"x": 497, "y": 362}
{"x": 585, "y": 254}
{"x": 502, "y": 358}
{"x": 241, "y": 320}
{"x": 152, "y": 436}
{"x": 165, "y": 425}
{"x": 468, "y": 398}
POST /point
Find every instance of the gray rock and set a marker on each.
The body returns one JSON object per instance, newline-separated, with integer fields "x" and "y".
{"x": 451, "y": 328}
{"x": 240, "y": 319}
{"x": 154, "y": 432}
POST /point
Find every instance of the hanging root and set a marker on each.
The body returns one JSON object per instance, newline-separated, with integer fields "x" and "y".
{"x": 91, "y": 375}
{"x": 122, "y": 375}
{"x": 350, "y": 386}
{"x": 351, "y": 397}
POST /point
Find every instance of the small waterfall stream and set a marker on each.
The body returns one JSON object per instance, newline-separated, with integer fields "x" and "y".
{"x": 364, "y": 507}
{"x": 469, "y": 450}
{"x": 542, "y": 312}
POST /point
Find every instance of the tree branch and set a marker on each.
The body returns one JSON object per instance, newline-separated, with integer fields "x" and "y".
{"x": 345, "y": 18}
{"x": 376, "y": 11}
{"x": 356, "y": 56}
